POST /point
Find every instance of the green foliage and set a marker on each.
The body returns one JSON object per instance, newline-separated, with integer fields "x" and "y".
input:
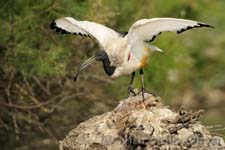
{"x": 32, "y": 48}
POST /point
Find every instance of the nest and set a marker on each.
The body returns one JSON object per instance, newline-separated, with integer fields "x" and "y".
{"x": 142, "y": 125}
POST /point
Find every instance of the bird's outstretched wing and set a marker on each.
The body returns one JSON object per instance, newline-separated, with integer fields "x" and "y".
{"x": 148, "y": 29}
{"x": 102, "y": 34}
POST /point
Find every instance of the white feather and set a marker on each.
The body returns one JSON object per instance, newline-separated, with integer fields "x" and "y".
{"x": 101, "y": 33}
{"x": 147, "y": 29}
{"x": 154, "y": 48}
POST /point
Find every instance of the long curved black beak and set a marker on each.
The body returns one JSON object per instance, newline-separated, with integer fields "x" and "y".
{"x": 84, "y": 65}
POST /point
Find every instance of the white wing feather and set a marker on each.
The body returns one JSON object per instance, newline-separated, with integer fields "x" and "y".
{"x": 101, "y": 33}
{"x": 148, "y": 29}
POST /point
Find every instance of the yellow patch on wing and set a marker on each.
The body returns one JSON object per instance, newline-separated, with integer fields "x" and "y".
{"x": 144, "y": 61}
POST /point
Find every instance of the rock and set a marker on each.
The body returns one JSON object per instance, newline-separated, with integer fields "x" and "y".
{"x": 142, "y": 125}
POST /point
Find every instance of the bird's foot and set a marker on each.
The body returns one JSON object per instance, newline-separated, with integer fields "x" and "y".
{"x": 131, "y": 91}
{"x": 143, "y": 91}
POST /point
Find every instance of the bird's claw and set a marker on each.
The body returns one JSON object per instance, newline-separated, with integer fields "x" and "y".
{"x": 143, "y": 91}
{"x": 131, "y": 91}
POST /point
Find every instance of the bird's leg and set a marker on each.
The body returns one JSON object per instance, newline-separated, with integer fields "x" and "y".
{"x": 142, "y": 83}
{"x": 143, "y": 90}
{"x": 130, "y": 88}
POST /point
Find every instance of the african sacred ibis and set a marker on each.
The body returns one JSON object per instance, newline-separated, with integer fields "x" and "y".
{"x": 123, "y": 54}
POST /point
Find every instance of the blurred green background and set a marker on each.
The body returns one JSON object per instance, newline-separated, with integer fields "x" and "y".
{"x": 40, "y": 104}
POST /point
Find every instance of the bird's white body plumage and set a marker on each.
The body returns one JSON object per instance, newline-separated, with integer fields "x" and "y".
{"x": 126, "y": 62}
{"x": 132, "y": 51}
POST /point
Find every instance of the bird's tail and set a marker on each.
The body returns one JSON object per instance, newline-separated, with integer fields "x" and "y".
{"x": 154, "y": 48}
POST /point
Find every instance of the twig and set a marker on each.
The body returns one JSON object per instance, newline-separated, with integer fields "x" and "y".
{"x": 48, "y": 85}
{"x": 31, "y": 120}
{"x": 29, "y": 87}
{"x": 4, "y": 124}
{"x": 8, "y": 89}
{"x": 101, "y": 78}
{"x": 34, "y": 99}
{"x": 41, "y": 86}
{"x": 220, "y": 129}
{"x": 65, "y": 99}
{"x": 31, "y": 106}
{"x": 86, "y": 90}
{"x": 214, "y": 126}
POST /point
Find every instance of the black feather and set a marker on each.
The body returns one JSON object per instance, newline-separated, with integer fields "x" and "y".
{"x": 198, "y": 25}
{"x": 123, "y": 33}
{"x": 58, "y": 29}
{"x": 205, "y": 25}
{"x": 53, "y": 25}
{"x": 153, "y": 38}
{"x": 64, "y": 32}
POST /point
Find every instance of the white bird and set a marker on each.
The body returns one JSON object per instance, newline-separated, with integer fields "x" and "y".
{"x": 123, "y": 54}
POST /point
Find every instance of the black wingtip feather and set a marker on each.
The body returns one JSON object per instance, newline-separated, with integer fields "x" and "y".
{"x": 198, "y": 25}
{"x": 62, "y": 31}
{"x": 57, "y": 29}
{"x": 205, "y": 25}
{"x": 53, "y": 25}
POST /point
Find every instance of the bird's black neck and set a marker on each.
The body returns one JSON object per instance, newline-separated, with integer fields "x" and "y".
{"x": 109, "y": 70}
{"x": 103, "y": 56}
